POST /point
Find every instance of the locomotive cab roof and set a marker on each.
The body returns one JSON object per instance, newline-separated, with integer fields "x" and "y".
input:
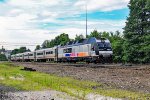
{"x": 85, "y": 41}
{"x": 95, "y": 40}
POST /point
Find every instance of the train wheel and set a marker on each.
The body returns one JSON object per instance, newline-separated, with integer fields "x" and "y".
{"x": 95, "y": 62}
{"x": 87, "y": 62}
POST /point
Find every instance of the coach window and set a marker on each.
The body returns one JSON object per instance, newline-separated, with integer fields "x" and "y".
{"x": 39, "y": 53}
{"x": 30, "y": 54}
{"x": 51, "y": 52}
{"x": 47, "y": 53}
{"x": 25, "y": 55}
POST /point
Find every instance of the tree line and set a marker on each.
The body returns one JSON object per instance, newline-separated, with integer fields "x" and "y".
{"x": 2, "y": 55}
{"x": 20, "y": 50}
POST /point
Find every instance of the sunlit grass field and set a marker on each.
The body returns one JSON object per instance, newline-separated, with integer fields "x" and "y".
{"x": 11, "y": 75}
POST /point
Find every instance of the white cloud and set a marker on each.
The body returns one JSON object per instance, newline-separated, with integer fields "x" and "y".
{"x": 49, "y": 14}
{"x": 20, "y": 20}
{"x": 102, "y": 5}
{"x": 15, "y": 11}
{"x": 33, "y": 3}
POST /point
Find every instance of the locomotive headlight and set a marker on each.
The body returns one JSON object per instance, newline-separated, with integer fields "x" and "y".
{"x": 109, "y": 49}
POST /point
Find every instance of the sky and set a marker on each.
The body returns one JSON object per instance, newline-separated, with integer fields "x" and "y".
{"x": 30, "y": 22}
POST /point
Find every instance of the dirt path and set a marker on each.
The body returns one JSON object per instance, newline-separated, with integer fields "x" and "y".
{"x": 39, "y": 95}
{"x": 133, "y": 78}
{"x": 4, "y": 90}
{"x": 9, "y": 93}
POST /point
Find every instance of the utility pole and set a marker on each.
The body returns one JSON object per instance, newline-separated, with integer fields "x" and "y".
{"x": 86, "y": 20}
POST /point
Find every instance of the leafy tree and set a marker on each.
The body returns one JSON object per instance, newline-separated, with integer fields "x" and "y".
{"x": 99, "y": 35}
{"x": 28, "y": 50}
{"x": 117, "y": 46}
{"x": 15, "y": 51}
{"x": 3, "y": 49}
{"x": 62, "y": 39}
{"x": 79, "y": 37}
{"x": 3, "y": 57}
{"x": 38, "y": 47}
{"x": 105, "y": 34}
{"x": 95, "y": 34}
{"x": 52, "y": 43}
{"x": 137, "y": 32}
{"x": 20, "y": 50}
{"x": 45, "y": 44}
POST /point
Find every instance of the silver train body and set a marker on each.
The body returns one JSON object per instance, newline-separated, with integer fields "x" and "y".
{"x": 88, "y": 50}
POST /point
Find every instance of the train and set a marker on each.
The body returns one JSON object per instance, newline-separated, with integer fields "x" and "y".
{"x": 90, "y": 50}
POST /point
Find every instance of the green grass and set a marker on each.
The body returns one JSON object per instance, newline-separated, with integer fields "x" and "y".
{"x": 11, "y": 75}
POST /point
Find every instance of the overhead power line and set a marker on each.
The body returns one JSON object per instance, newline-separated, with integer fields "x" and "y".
{"x": 18, "y": 44}
{"x": 15, "y": 45}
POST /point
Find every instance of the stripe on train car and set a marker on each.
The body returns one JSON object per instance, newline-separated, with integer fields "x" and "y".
{"x": 67, "y": 55}
{"x": 81, "y": 54}
{"x": 74, "y": 55}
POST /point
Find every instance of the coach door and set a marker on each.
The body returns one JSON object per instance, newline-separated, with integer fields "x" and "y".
{"x": 34, "y": 56}
{"x": 56, "y": 54}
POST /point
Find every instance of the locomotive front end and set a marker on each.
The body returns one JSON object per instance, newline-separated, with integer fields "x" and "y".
{"x": 105, "y": 51}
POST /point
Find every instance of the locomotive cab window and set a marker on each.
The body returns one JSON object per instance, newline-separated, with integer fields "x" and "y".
{"x": 107, "y": 45}
{"x": 104, "y": 46}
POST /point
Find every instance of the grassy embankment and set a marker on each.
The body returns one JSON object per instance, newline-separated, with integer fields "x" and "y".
{"x": 11, "y": 75}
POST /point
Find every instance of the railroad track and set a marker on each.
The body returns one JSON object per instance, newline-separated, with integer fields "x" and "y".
{"x": 91, "y": 65}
